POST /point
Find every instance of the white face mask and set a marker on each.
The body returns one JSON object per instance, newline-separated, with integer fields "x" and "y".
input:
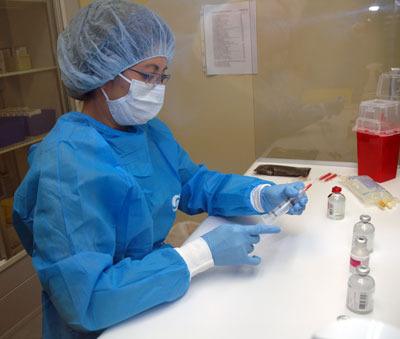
{"x": 142, "y": 103}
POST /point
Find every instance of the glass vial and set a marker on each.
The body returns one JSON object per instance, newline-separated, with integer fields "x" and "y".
{"x": 359, "y": 254}
{"x": 336, "y": 204}
{"x": 364, "y": 228}
{"x": 360, "y": 291}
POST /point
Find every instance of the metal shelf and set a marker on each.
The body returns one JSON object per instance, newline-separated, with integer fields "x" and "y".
{"x": 4, "y": 264}
{"x": 29, "y": 71}
{"x": 20, "y": 4}
{"x": 28, "y": 141}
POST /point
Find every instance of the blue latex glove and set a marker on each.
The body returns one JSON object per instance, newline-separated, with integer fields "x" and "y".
{"x": 232, "y": 244}
{"x": 272, "y": 196}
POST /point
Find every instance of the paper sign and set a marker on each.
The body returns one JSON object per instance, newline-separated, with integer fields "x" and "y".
{"x": 230, "y": 38}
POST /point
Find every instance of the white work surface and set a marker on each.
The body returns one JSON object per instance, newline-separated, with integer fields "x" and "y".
{"x": 301, "y": 283}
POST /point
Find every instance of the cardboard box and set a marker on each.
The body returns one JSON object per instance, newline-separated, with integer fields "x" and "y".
{"x": 9, "y": 175}
{"x": 7, "y": 205}
{"x": 12, "y": 130}
{"x": 17, "y": 59}
{"x": 11, "y": 241}
{"x": 8, "y": 60}
{"x": 2, "y": 192}
{"x": 39, "y": 121}
{"x": 2, "y": 62}
{"x": 10, "y": 237}
{"x": 3, "y": 252}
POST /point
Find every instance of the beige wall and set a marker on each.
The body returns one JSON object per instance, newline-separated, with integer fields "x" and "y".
{"x": 317, "y": 61}
{"x": 313, "y": 52}
{"x": 212, "y": 117}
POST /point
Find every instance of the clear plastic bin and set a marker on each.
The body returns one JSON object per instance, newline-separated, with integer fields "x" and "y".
{"x": 389, "y": 85}
{"x": 379, "y": 117}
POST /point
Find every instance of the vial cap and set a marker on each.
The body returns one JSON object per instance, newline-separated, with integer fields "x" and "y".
{"x": 363, "y": 270}
{"x": 365, "y": 218}
{"x": 342, "y": 317}
{"x": 361, "y": 240}
{"x": 336, "y": 189}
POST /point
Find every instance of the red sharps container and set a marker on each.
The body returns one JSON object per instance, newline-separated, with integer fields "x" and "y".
{"x": 378, "y": 139}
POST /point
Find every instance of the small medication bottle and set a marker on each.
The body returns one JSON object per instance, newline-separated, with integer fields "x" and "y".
{"x": 336, "y": 204}
{"x": 360, "y": 291}
{"x": 364, "y": 228}
{"x": 359, "y": 254}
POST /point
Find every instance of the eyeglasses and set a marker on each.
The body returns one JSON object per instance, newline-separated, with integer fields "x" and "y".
{"x": 153, "y": 78}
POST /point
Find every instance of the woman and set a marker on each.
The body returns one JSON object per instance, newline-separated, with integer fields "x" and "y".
{"x": 104, "y": 185}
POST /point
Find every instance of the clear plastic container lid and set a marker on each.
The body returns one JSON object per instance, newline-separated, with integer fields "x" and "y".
{"x": 379, "y": 117}
{"x": 389, "y": 85}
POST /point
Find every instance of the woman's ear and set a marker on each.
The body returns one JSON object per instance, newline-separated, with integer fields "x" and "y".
{"x": 115, "y": 88}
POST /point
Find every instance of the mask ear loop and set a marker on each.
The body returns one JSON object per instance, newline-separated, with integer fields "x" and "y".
{"x": 130, "y": 81}
{"x": 104, "y": 93}
{"x": 125, "y": 78}
{"x": 120, "y": 75}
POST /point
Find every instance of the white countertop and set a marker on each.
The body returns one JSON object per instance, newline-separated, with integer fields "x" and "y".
{"x": 301, "y": 283}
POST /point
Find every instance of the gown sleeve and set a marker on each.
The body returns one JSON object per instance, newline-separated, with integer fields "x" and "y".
{"x": 82, "y": 199}
{"x": 218, "y": 194}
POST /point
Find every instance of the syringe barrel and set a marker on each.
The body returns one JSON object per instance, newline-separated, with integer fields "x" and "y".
{"x": 282, "y": 209}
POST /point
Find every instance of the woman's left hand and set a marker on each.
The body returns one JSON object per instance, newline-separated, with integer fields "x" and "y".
{"x": 272, "y": 196}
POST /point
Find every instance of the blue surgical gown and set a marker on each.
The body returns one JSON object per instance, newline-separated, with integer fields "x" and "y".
{"x": 93, "y": 212}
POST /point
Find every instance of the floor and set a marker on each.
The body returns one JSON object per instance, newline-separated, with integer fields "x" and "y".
{"x": 31, "y": 330}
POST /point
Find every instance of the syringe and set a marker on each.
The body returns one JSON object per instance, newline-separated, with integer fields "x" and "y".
{"x": 283, "y": 208}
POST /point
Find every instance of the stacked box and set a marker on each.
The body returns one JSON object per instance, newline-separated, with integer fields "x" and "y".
{"x": 35, "y": 121}
{"x": 22, "y": 59}
{"x": 11, "y": 241}
{"x": 2, "y": 62}
{"x": 39, "y": 121}
{"x": 9, "y": 175}
{"x": 12, "y": 130}
{"x": 3, "y": 252}
{"x": 18, "y": 122}
{"x": 7, "y": 206}
{"x": 12, "y": 244}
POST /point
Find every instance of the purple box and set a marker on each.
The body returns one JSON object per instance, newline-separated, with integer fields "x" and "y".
{"x": 40, "y": 123}
{"x": 12, "y": 130}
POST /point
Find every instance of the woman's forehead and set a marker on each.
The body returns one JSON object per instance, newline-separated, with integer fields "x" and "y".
{"x": 157, "y": 63}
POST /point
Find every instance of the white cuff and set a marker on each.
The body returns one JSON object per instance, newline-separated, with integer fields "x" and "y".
{"x": 255, "y": 198}
{"x": 197, "y": 256}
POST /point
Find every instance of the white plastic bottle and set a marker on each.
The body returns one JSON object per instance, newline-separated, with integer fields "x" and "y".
{"x": 336, "y": 204}
{"x": 360, "y": 292}
{"x": 364, "y": 228}
{"x": 359, "y": 254}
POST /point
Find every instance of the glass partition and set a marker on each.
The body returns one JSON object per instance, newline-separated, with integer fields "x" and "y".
{"x": 318, "y": 61}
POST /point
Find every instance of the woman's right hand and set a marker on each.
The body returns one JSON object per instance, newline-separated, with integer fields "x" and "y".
{"x": 232, "y": 244}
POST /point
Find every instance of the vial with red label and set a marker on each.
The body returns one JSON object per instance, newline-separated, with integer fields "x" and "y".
{"x": 359, "y": 254}
{"x": 336, "y": 204}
